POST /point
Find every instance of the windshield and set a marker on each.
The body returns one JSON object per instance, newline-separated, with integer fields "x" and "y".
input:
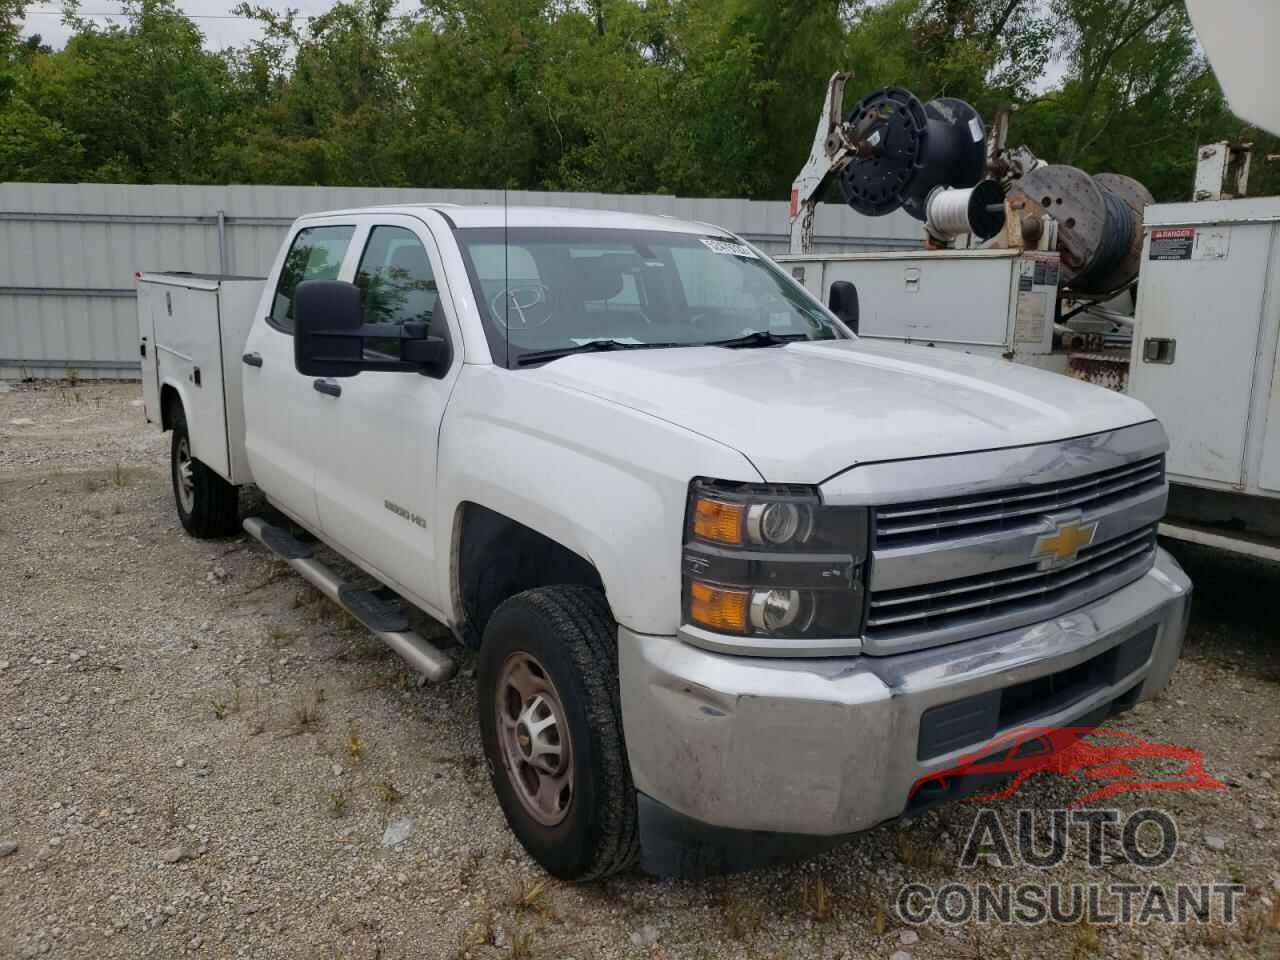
{"x": 551, "y": 289}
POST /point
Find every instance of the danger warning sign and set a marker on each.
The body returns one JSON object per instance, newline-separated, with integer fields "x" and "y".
{"x": 1171, "y": 243}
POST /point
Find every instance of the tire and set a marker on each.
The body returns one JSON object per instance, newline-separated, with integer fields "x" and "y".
{"x": 568, "y": 633}
{"x": 209, "y": 506}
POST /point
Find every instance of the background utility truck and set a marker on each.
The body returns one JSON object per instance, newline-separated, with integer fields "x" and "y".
{"x": 1175, "y": 304}
{"x": 738, "y": 580}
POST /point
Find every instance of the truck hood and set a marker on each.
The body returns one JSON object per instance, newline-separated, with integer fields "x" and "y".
{"x": 804, "y": 412}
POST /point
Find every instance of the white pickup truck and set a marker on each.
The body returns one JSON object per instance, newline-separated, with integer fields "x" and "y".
{"x": 740, "y": 583}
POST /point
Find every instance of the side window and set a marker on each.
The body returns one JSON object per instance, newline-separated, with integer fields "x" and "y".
{"x": 399, "y": 286}
{"x": 316, "y": 254}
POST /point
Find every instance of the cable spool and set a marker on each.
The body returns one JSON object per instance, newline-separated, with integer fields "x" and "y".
{"x": 1099, "y": 223}
{"x": 952, "y": 212}
{"x": 1117, "y": 228}
{"x": 907, "y": 148}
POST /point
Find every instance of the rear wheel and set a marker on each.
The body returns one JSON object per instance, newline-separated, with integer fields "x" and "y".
{"x": 208, "y": 506}
{"x": 551, "y": 724}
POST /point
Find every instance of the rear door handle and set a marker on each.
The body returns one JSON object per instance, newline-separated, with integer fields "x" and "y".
{"x": 327, "y": 387}
{"x": 252, "y": 359}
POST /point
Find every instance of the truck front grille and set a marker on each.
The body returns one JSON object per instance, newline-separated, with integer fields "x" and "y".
{"x": 1009, "y": 591}
{"x": 928, "y": 521}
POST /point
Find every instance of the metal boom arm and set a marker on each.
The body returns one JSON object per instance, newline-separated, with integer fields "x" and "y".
{"x": 828, "y": 156}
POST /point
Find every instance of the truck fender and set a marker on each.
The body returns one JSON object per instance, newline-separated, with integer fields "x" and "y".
{"x": 171, "y": 391}
{"x": 606, "y": 482}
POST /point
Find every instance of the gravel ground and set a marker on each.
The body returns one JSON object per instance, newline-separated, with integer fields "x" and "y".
{"x": 199, "y": 757}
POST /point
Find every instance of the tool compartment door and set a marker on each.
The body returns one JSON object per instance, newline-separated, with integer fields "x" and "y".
{"x": 965, "y": 299}
{"x": 189, "y": 357}
{"x": 1196, "y": 341}
{"x": 1268, "y": 474}
{"x": 237, "y": 306}
{"x": 147, "y": 353}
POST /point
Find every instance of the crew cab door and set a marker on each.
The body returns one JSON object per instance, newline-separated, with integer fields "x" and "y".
{"x": 283, "y": 438}
{"x": 376, "y": 484}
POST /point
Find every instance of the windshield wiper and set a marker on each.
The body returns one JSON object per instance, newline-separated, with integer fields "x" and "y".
{"x": 758, "y": 338}
{"x": 591, "y": 346}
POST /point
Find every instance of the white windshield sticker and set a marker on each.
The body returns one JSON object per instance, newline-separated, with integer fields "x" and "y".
{"x": 729, "y": 247}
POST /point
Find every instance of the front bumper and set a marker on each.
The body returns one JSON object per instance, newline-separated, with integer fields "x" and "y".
{"x": 831, "y": 746}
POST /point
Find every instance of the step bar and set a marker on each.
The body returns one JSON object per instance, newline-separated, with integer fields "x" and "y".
{"x": 382, "y": 619}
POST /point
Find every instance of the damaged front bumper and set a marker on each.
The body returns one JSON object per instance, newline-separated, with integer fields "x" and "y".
{"x": 737, "y": 758}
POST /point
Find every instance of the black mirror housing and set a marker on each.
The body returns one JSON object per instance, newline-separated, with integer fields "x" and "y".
{"x": 329, "y": 334}
{"x": 326, "y": 316}
{"x": 842, "y": 300}
{"x": 430, "y": 354}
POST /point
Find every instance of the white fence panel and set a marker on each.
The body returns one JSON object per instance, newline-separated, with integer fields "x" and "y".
{"x": 68, "y": 251}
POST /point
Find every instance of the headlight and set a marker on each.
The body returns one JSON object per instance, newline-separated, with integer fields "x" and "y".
{"x": 779, "y": 524}
{"x": 773, "y": 611}
{"x": 769, "y": 560}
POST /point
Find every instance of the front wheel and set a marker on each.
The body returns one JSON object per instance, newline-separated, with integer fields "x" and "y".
{"x": 551, "y": 723}
{"x": 208, "y": 506}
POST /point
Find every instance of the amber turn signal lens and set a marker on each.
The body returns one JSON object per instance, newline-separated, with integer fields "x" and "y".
{"x": 718, "y": 521}
{"x": 723, "y": 610}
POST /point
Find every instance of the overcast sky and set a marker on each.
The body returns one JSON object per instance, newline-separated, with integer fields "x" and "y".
{"x": 214, "y": 18}
{"x": 222, "y": 29}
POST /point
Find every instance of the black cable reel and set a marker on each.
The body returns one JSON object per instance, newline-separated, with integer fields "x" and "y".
{"x": 903, "y": 149}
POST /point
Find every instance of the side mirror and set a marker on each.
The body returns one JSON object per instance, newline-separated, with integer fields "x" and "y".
{"x": 326, "y": 317}
{"x": 419, "y": 348}
{"x": 842, "y": 300}
{"x": 329, "y": 333}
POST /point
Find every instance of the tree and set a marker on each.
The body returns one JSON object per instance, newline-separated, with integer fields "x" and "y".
{"x": 694, "y": 97}
{"x": 983, "y": 51}
{"x": 11, "y": 17}
{"x": 1137, "y": 97}
{"x": 36, "y": 148}
{"x": 320, "y": 103}
{"x": 146, "y": 99}
{"x": 1109, "y": 42}
{"x": 11, "y": 14}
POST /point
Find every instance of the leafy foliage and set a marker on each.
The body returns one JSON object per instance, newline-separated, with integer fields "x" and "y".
{"x": 694, "y": 97}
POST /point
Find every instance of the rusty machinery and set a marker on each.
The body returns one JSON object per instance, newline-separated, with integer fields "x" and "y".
{"x": 1097, "y": 221}
{"x": 891, "y": 152}
{"x": 944, "y": 167}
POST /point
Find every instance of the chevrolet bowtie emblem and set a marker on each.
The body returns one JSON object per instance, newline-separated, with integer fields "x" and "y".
{"x": 1062, "y": 546}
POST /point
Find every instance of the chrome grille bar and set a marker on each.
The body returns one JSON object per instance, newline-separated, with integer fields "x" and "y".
{"x": 987, "y": 594}
{"x": 924, "y": 521}
{"x": 888, "y": 598}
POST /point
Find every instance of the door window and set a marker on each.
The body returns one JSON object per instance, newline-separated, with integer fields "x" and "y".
{"x": 398, "y": 284}
{"x": 315, "y": 254}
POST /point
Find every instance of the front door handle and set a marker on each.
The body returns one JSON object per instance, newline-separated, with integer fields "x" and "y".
{"x": 328, "y": 387}
{"x": 252, "y": 359}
